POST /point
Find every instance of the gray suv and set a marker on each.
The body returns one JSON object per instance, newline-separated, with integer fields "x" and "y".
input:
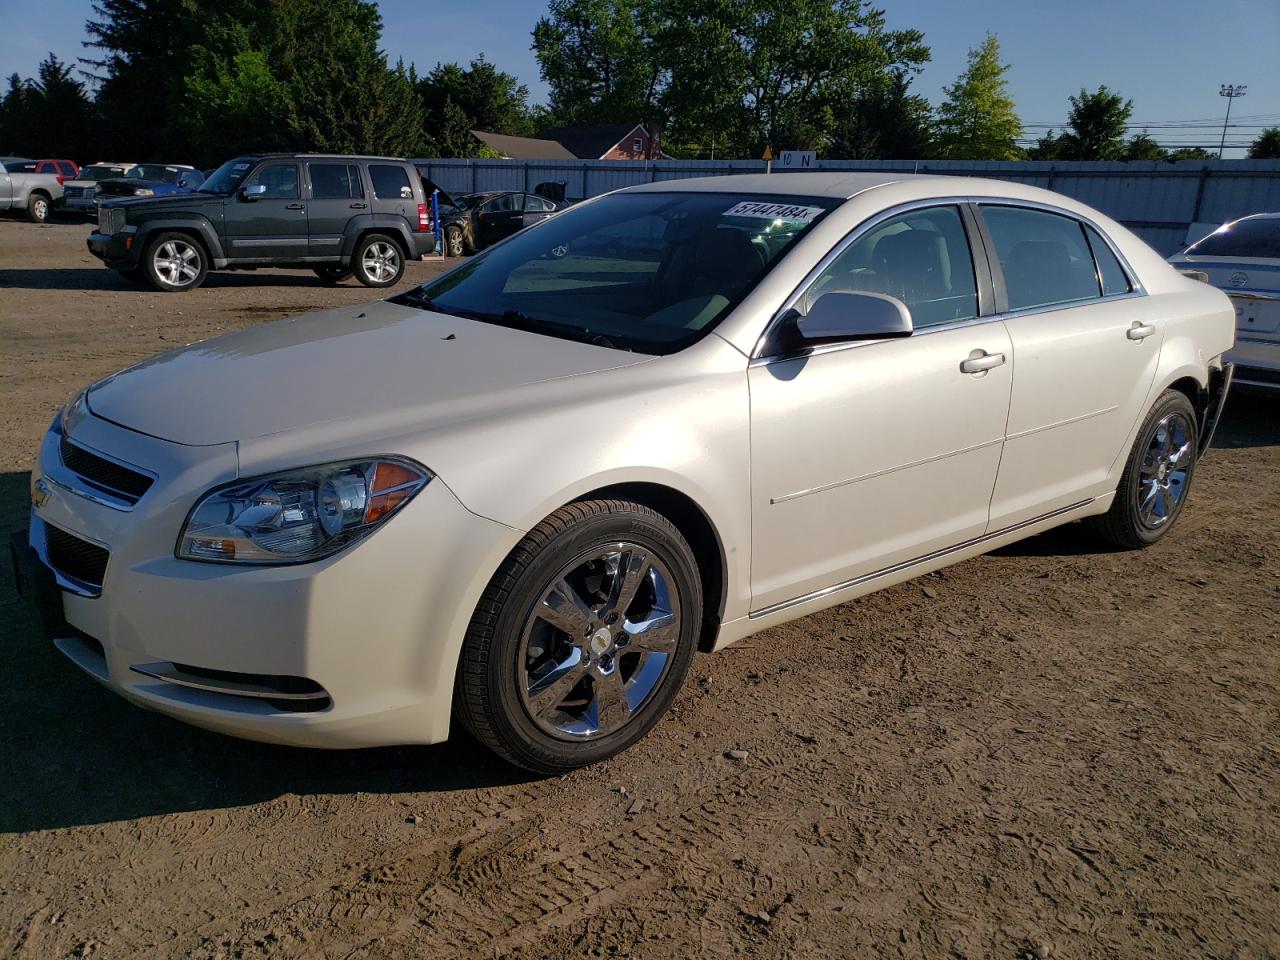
{"x": 336, "y": 215}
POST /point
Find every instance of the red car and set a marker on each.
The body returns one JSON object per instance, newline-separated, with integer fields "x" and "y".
{"x": 63, "y": 169}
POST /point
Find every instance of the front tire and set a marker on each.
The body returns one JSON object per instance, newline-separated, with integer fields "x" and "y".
{"x": 174, "y": 263}
{"x": 378, "y": 261}
{"x": 582, "y": 638}
{"x": 454, "y": 242}
{"x": 1157, "y": 477}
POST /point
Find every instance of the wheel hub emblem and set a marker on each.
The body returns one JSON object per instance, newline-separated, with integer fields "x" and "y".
{"x": 601, "y": 641}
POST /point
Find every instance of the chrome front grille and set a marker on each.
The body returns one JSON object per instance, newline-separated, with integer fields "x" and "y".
{"x": 104, "y": 221}
{"x": 103, "y": 475}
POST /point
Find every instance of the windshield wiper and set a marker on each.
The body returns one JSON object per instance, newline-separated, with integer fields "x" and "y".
{"x": 522, "y": 319}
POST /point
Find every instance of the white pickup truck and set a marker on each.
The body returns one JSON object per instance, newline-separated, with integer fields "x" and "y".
{"x": 21, "y": 188}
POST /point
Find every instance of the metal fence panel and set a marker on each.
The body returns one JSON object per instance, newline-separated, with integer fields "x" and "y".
{"x": 1157, "y": 200}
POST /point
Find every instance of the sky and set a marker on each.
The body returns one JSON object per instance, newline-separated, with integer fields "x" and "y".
{"x": 1169, "y": 56}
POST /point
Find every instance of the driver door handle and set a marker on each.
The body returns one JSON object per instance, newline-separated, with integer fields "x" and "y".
{"x": 1140, "y": 331}
{"x": 982, "y": 364}
{"x": 359, "y": 206}
{"x": 295, "y": 206}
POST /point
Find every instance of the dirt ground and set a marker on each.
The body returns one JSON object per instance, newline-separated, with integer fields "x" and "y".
{"x": 1051, "y": 751}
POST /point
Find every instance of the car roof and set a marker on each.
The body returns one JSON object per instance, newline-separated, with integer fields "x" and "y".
{"x": 318, "y": 156}
{"x": 841, "y": 185}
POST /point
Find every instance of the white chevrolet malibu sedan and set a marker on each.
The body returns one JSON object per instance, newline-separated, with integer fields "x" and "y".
{"x": 525, "y": 493}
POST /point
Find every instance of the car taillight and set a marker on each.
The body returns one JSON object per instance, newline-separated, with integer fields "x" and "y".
{"x": 424, "y": 222}
{"x": 61, "y": 179}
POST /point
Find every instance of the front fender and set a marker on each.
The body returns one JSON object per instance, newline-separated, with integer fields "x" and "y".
{"x": 198, "y": 225}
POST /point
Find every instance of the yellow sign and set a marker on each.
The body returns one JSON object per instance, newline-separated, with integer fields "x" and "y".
{"x": 768, "y": 152}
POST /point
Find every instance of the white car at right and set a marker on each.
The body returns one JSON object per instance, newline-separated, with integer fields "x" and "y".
{"x": 1242, "y": 259}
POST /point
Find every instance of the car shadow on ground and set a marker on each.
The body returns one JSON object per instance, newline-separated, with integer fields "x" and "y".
{"x": 75, "y": 753}
{"x": 103, "y": 278}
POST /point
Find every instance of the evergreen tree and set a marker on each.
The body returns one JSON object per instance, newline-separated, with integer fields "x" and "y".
{"x": 1267, "y": 146}
{"x": 1097, "y": 123}
{"x": 977, "y": 120}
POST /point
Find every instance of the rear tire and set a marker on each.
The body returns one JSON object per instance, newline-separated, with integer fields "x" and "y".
{"x": 174, "y": 263}
{"x": 39, "y": 207}
{"x": 378, "y": 261}
{"x": 332, "y": 275}
{"x": 1157, "y": 477}
{"x": 582, "y": 638}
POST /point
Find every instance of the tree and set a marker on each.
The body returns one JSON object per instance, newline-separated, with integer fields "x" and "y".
{"x": 47, "y": 116}
{"x": 1191, "y": 153}
{"x": 598, "y": 58}
{"x": 1097, "y": 123}
{"x": 977, "y": 121}
{"x": 457, "y": 100}
{"x": 1267, "y": 146}
{"x": 1142, "y": 147}
{"x": 884, "y": 122}
{"x": 1048, "y": 147}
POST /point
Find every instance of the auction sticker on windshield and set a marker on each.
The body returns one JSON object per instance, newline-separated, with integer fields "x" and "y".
{"x": 773, "y": 211}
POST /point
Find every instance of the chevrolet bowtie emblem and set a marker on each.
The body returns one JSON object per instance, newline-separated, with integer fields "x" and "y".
{"x": 40, "y": 492}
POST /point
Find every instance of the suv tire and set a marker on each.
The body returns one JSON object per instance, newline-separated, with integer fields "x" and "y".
{"x": 39, "y": 207}
{"x": 1157, "y": 477}
{"x": 378, "y": 261}
{"x": 582, "y": 638}
{"x": 174, "y": 263}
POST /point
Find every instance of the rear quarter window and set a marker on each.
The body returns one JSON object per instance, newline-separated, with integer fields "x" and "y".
{"x": 390, "y": 182}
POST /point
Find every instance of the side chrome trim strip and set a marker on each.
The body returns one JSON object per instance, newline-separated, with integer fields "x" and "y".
{"x": 906, "y": 564}
{"x": 880, "y": 473}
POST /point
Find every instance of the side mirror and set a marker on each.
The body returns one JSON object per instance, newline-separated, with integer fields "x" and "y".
{"x": 842, "y": 316}
{"x": 253, "y": 191}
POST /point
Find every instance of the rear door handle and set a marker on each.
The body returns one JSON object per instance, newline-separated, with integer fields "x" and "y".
{"x": 1140, "y": 331}
{"x": 981, "y": 363}
{"x": 359, "y": 206}
{"x": 295, "y": 206}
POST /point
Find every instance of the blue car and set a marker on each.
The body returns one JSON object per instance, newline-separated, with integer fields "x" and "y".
{"x": 152, "y": 180}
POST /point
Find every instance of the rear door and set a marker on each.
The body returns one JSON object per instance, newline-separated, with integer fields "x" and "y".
{"x": 337, "y": 195}
{"x": 273, "y": 225}
{"x": 536, "y": 208}
{"x": 6, "y": 188}
{"x": 1085, "y": 349}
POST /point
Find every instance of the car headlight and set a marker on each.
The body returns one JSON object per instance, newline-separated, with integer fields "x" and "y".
{"x": 299, "y": 515}
{"x": 144, "y": 192}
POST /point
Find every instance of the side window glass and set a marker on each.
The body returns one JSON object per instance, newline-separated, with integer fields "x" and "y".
{"x": 280, "y": 179}
{"x": 921, "y": 257}
{"x": 67, "y": 169}
{"x": 535, "y": 204}
{"x": 390, "y": 182}
{"x": 1044, "y": 256}
{"x": 334, "y": 181}
{"x": 1112, "y": 274}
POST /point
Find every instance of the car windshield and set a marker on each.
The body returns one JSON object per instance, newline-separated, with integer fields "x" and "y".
{"x": 157, "y": 172}
{"x": 227, "y": 177}
{"x": 650, "y": 272}
{"x": 1257, "y": 237}
{"x": 100, "y": 173}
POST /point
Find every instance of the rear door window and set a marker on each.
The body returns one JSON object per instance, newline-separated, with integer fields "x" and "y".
{"x": 1044, "y": 256}
{"x": 390, "y": 182}
{"x": 335, "y": 181}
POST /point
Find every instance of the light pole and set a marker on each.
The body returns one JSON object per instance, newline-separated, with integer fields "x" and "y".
{"x": 1230, "y": 92}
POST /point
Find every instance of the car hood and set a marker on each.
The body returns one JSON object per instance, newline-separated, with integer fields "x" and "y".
{"x": 354, "y": 363}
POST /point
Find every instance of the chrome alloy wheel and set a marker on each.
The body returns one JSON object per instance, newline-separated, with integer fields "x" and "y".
{"x": 177, "y": 263}
{"x": 40, "y": 208}
{"x": 1165, "y": 469}
{"x": 598, "y": 642}
{"x": 456, "y": 246}
{"x": 381, "y": 260}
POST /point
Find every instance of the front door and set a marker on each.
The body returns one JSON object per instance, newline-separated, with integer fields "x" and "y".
{"x": 500, "y": 217}
{"x": 871, "y": 454}
{"x": 337, "y": 195}
{"x": 1086, "y": 351}
{"x": 270, "y": 224}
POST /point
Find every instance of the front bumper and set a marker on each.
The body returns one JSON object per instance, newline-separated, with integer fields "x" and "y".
{"x": 120, "y": 251}
{"x": 377, "y": 628}
{"x": 86, "y": 205}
